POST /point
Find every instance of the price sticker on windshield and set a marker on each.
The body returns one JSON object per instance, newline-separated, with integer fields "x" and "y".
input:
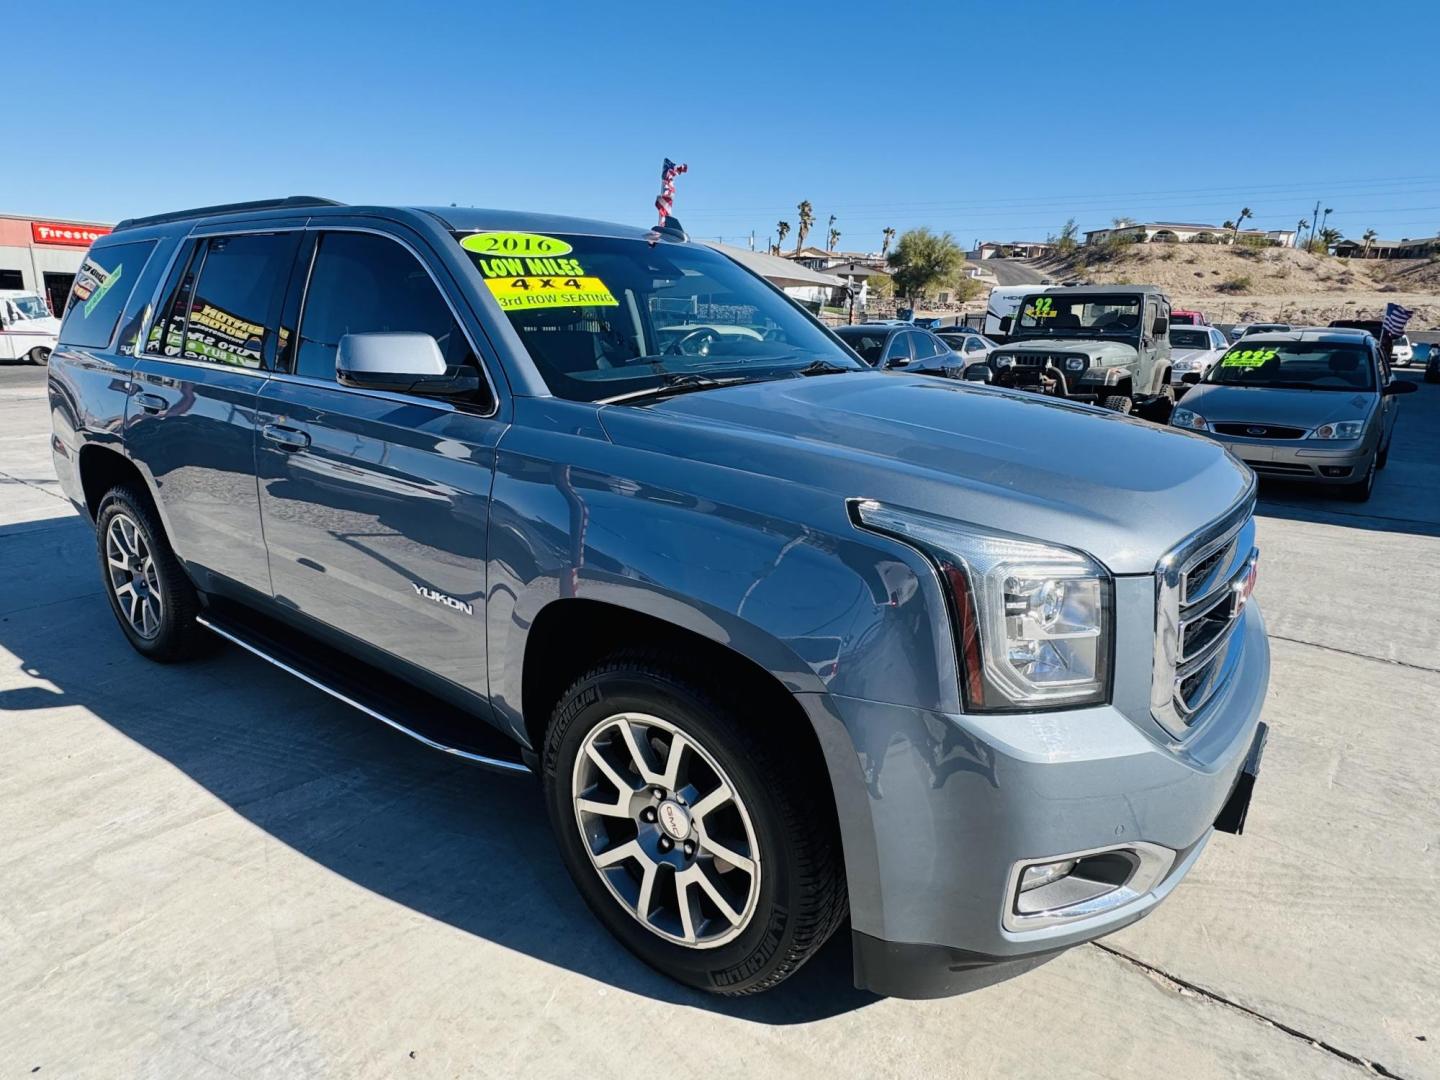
{"x": 1247, "y": 358}
{"x": 1043, "y": 308}
{"x": 525, "y": 293}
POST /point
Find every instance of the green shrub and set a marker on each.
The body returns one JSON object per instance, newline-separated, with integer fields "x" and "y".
{"x": 1240, "y": 283}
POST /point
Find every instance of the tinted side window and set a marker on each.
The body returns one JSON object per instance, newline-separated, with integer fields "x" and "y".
{"x": 237, "y": 297}
{"x": 101, "y": 288}
{"x": 363, "y": 283}
{"x": 927, "y": 345}
{"x": 899, "y": 347}
{"x": 168, "y": 329}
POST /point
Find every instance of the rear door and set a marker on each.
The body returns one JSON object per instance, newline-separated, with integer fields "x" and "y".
{"x": 375, "y": 504}
{"x": 190, "y": 420}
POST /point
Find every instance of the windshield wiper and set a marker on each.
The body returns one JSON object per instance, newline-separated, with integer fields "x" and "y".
{"x": 822, "y": 367}
{"x": 672, "y": 383}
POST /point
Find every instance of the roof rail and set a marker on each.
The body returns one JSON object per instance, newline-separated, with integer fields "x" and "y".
{"x": 226, "y": 208}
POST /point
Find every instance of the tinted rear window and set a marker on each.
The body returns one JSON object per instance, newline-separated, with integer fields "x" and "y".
{"x": 103, "y": 284}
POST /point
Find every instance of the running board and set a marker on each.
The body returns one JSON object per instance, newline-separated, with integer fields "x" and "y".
{"x": 406, "y": 708}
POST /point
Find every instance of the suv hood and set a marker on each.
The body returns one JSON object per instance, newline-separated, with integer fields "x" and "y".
{"x": 1291, "y": 408}
{"x": 1123, "y": 490}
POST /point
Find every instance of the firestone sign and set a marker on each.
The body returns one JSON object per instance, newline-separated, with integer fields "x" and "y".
{"x": 54, "y": 232}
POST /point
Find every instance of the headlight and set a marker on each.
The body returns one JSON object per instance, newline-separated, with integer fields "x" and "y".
{"x": 1004, "y": 361}
{"x": 1075, "y": 363}
{"x": 1184, "y": 365}
{"x": 1031, "y": 621}
{"x": 1343, "y": 429}
{"x": 1186, "y": 419}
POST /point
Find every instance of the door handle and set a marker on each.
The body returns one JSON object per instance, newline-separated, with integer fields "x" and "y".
{"x": 286, "y": 438}
{"x": 151, "y": 403}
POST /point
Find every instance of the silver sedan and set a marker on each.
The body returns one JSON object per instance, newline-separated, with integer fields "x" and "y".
{"x": 1313, "y": 405}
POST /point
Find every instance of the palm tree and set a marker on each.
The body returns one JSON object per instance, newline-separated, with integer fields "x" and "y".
{"x": 1328, "y": 212}
{"x": 782, "y": 230}
{"x": 1228, "y": 226}
{"x": 889, "y": 235}
{"x": 1328, "y": 239}
{"x": 1369, "y": 239}
{"x": 807, "y": 219}
{"x": 1235, "y": 225}
{"x": 1300, "y": 227}
{"x": 834, "y": 238}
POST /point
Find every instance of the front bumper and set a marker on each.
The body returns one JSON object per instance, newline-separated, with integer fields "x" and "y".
{"x": 1049, "y": 379}
{"x": 1303, "y": 460}
{"x": 939, "y": 810}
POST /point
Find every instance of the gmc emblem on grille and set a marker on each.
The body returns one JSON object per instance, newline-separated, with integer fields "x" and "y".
{"x": 1256, "y": 430}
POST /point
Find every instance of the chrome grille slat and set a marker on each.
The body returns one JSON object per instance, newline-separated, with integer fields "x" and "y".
{"x": 1194, "y": 621}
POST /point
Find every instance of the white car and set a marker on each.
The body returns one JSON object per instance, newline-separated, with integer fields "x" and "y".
{"x": 27, "y": 329}
{"x": 974, "y": 347}
{"x": 1193, "y": 352}
{"x": 1402, "y": 353}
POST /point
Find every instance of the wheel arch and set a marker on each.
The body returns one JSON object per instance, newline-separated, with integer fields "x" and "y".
{"x": 103, "y": 467}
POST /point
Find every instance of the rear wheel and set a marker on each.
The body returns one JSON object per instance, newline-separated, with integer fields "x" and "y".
{"x": 1121, "y": 403}
{"x": 1161, "y": 405}
{"x": 152, "y": 599}
{"x": 710, "y": 852}
{"x": 39, "y": 356}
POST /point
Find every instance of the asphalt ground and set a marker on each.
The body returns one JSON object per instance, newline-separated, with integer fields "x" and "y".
{"x": 212, "y": 870}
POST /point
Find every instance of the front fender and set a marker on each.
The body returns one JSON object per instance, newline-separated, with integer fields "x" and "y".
{"x": 774, "y": 571}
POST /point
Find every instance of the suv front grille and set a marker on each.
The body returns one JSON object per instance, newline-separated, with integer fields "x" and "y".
{"x": 1196, "y": 614}
{"x": 1259, "y": 431}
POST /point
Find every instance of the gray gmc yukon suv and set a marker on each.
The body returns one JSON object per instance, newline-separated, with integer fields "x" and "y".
{"x": 791, "y": 644}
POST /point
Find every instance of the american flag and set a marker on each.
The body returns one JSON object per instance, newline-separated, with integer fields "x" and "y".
{"x": 665, "y": 201}
{"x": 1395, "y": 319}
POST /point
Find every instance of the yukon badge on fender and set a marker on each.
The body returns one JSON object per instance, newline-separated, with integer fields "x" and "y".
{"x": 441, "y": 598}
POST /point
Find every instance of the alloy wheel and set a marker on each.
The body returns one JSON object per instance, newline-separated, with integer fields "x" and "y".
{"x": 666, "y": 830}
{"x": 133, "y": 578}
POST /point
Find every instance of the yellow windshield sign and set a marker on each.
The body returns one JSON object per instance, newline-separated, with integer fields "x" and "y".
{"x": 1043, "y": 308}
{"x": 515, "y": 243}
{"x": 524, "y": 293}
{"x": 1247, "y": 358}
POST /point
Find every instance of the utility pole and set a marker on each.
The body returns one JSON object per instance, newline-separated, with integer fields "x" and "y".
{"x": 1314, "y": 220}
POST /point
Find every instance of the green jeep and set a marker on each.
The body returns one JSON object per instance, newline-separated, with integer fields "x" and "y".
{"x": 1107, "y": 344}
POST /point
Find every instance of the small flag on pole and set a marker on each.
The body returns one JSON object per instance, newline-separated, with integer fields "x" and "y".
{"x": 665, "y": 201}
{"x": 1395, "y": 319}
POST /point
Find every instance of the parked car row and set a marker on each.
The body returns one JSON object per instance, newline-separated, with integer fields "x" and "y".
{"x": 789, "y": 643}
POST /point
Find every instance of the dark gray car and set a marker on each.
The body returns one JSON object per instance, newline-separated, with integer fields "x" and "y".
{"x": 788, "y": 642}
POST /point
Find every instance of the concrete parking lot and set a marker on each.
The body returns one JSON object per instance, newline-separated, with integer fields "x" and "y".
{"x": 214, "y": 870}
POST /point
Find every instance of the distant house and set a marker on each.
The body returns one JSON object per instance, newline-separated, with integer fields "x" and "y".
{"x": 1014, "y": 249}
{"x": 1389, "y": 249}
{"x": 1179, "y": 232}
{"x": 819, "y": 259}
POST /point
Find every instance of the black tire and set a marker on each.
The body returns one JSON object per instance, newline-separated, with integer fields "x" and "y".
{"x": 39, "y": 356}
{"x": 176, "y": 635}
{"x": 1361, "y": 490}
{"x": 798, "y": 898}
{"x": 1161, "y": 405}
{"x": 1121, "y": 403}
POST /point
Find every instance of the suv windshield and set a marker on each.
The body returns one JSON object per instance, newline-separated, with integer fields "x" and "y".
{"x": 30, "y": 307}
{"x": 1295, "y": 365}
{"x": 1190, "y": 339}
{"x": 604, "y": 317}
{"x": 1058, "y": 315}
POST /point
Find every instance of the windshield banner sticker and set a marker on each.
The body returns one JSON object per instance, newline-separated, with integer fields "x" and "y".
{"x": 1043, "y": 308}
{"x": 99, "y": 293}
{"x": 522, "y": 293}
{"x": 1248, "y": 358}
{"x": 515, "y": 243}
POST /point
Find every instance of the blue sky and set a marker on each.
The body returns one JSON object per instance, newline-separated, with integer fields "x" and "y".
{"x": 882, "y": 114}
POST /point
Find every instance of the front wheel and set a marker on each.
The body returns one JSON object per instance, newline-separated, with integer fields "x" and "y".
{"x": 1121, "y": 403}
{"x": 708, "y": 850}
{"x": 39, "y": 356}
{"x": 1364, "y": 488}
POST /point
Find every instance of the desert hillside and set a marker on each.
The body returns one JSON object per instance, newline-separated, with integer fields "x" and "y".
{"x": 1238, "y": 284}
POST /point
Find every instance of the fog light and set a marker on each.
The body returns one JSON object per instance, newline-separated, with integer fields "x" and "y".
{"x": 1335, "y": 470}
{"x": 1044, "y": 874}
